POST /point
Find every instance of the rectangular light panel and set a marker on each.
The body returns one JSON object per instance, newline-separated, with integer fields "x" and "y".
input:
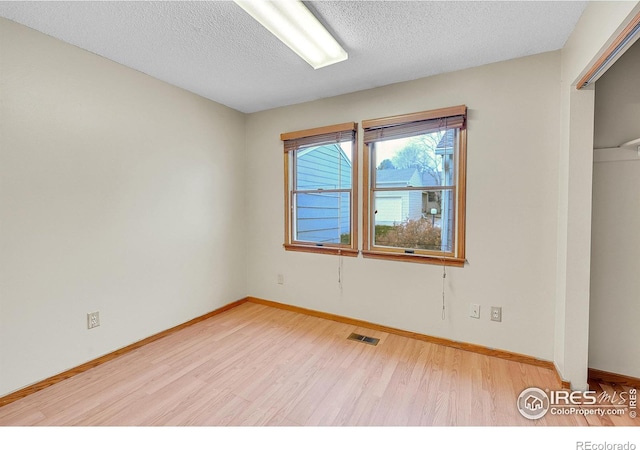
{"x": 292, "y": 23}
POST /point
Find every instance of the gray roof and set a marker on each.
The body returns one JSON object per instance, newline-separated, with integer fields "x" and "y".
{"x": 394, "y": 175}
{"x": 403, "y": 176}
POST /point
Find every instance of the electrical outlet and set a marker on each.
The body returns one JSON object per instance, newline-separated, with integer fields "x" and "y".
{"x": 496, "y": 313}
{"x": 280, "y": 278}
{"x": 474, "y": 310}
{"x": 93, "y": 320}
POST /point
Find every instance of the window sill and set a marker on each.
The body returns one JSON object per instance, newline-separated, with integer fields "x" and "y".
{"x": 321, "y": 249}
{"x": 415, "y": 258}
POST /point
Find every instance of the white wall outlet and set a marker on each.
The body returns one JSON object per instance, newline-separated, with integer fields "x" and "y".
{"x": 474, "y": 310}
{"x": 496, "y": 313}
{"x": 280, "y": 278}
{"x": 93, "y": 320}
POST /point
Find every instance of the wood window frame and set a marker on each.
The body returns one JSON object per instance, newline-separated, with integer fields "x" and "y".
{"x": 308, "y": 137}
{"x": 457, "y": 257}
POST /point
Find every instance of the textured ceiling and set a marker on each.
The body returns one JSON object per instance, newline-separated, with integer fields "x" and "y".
{"x": 218, "y": 51}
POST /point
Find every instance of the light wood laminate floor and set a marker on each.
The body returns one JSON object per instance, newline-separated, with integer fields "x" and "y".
{"x": 257, "y": 365}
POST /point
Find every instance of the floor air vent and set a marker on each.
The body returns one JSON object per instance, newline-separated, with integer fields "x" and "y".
{"x": 365, "y": 339}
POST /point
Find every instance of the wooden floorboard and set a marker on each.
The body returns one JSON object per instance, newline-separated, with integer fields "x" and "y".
{"x": 256, "y": 365}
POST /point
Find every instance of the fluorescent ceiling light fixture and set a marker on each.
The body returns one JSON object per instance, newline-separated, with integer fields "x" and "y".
{"x": 292, "y": 23}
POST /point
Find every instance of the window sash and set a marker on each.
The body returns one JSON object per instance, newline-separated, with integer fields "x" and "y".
{"x": 449, "y": 223}
{"x": 335, "y": 222}
{"x": 336, "y": 179}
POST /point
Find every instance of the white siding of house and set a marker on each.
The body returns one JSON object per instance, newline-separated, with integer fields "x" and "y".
{"x": 389, "y": 209}
{"x": 414, "y": 205}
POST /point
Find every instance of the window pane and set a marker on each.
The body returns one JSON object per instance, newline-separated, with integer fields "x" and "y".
{"x": 322, "y": 217}
{"x": 323, "y": 167}
{"x": 425, "y": 160}
{"x": 414, "y": 219}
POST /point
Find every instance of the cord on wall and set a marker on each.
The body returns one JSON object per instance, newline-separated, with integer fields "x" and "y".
{"x": 340, "y": 270}
{"x": 444, "y": 275}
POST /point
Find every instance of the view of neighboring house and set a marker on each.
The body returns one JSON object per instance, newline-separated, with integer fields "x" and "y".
{"x": 395, "y": 207}
{"x": 323, "y": 217}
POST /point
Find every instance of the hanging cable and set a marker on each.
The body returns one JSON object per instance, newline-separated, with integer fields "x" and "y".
{"x": 444, "y": 275}
{"x": 340, "y": 270}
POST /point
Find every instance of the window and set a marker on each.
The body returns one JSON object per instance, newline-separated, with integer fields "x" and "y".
{"x": 320, "y": 190}
{"x": 414, "y": 201}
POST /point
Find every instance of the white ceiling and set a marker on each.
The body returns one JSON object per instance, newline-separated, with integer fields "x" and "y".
{"x": 218, "y": 51}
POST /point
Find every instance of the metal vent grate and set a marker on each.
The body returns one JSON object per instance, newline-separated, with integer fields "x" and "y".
{"x": 365, "y": 339}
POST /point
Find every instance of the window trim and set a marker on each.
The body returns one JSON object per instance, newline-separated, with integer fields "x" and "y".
{"x": 369, "y": 250}
{"x": 306, "y": 135}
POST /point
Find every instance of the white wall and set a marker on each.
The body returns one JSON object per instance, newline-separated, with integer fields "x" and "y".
{"x": 597, "y": 28}
{"x": 118, "y": 194}
{"x": 513, "y": 140}
{"x": 615, "y": 285}
{"x": 617, "y": 103}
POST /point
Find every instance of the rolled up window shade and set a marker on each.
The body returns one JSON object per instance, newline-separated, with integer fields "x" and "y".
{"x": 319, "y": 136}
{"x": 408, "y": 129}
